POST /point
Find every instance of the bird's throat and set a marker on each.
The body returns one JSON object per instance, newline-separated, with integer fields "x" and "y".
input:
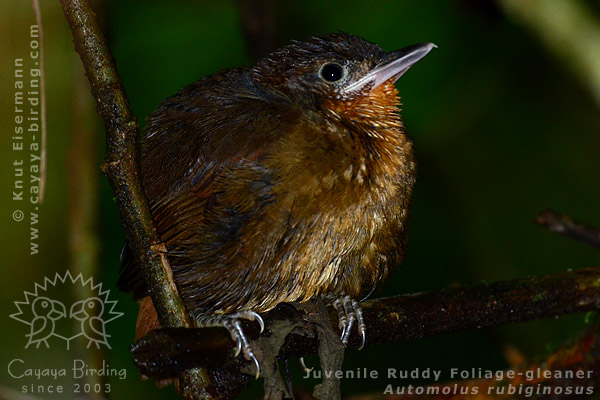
{"x": 374, "y": 110}
{"x": 381, "y": 147}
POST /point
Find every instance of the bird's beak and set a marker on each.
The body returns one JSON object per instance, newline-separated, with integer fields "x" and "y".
{"x": 77, "y": 311}
{"x": 58, "y": 310}
{"x": 392, "y": 66}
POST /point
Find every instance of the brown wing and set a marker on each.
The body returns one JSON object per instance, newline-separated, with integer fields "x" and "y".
{"x": 192, "y": 143}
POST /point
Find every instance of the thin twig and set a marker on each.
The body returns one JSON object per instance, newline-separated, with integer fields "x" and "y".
{"x": 569, "y": 227}
{"x": 121, "y": 168}
{"x": 162, "y": 352}
{"x": 258, "y": 23}
{"x": 38, "y": 20}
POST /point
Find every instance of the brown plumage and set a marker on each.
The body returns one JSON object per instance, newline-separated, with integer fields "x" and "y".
{"x": 284, "y": 181}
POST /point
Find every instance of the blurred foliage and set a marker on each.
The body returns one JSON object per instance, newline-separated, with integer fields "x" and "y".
{"x": 502, "y": 130}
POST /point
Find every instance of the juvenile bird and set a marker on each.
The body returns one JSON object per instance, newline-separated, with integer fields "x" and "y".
{"x": 281, "y": 182}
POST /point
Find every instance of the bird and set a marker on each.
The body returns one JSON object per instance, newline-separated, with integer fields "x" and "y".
{"x": 285, "y": 181}
{"x": 46, "y": 312}
{"x": 89, "y": 312}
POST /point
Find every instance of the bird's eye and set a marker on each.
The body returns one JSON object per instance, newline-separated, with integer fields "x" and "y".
{"x": 332, "y": 72}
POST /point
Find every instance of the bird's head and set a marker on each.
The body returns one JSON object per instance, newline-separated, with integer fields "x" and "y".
{"x": 337, "y": 72}
{"x": 45, "y": 307}
{"x": 84, "y": 309}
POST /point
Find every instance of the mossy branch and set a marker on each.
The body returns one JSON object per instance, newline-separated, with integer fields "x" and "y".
{"x": 121, "y": 168}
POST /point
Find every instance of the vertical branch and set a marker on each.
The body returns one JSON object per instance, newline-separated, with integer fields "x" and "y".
{"x": 121, "y": 168}
{"x": 258, "y": 24}
{"x": 83, "y": 208}
{"x": 38, "y": 20}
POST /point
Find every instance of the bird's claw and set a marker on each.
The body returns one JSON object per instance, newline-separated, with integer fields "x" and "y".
{"x": 350, "y": 312}
{"x": 232, "y": 323}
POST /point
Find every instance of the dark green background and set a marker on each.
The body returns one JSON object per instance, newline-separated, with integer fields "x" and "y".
{"x": 502, "y": 130}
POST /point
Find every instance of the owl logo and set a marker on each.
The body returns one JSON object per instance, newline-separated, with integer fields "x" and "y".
{"x": 49, "y": 321}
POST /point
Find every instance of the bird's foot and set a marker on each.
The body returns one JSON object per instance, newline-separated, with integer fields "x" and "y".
{"x": 350, "y": 313}
{"x": 232, "y": 322}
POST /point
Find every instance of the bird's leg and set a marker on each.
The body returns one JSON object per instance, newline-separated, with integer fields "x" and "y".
{"x": 232, "y": 323}
{"x": 350, "y": 312}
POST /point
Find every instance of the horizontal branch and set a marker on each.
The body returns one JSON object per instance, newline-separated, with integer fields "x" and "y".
{"x": 571, "y": 372}
{"x": 162, "y": 353}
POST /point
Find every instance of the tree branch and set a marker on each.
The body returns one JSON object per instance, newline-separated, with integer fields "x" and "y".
{"x": 121, "y": 168}
{"x": 84, "y": 248}
{"x": 569, "y": 227}
{"x": 43, "y": 120}
{"x": 258, "y": 23}
{"x": 164, "y": 352}
{"x": 546, "y": 379}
